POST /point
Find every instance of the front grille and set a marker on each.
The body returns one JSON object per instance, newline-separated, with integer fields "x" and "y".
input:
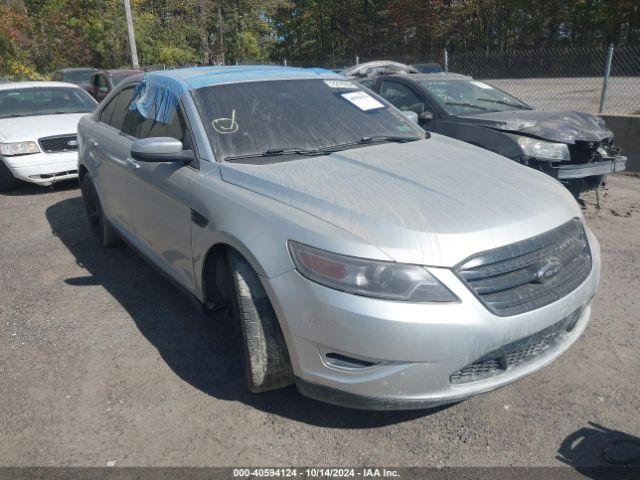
{"x": 59, "y": 143}
{"x": 529, "y": 274}
{"x": 518, "y": 353}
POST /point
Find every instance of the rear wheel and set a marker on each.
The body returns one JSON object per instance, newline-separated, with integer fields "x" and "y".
{"x": 266, "y": 359}
{"x": 7, "y": 180}
{"x": 100, "y": 226}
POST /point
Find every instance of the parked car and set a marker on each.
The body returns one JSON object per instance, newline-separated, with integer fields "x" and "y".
{"x": 77, "y": 76}
{"x": 367, "y": 73}
{"x": 374, "y": 265}
{"x": 574, "y": 147}
{"x": 38, "y": 125}
{"x": 103, "y": 81}
{"x": 428, "y": 67}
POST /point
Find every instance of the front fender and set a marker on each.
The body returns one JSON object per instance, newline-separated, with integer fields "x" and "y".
{"x": 259, "y": 227}
{"x": 483, "y": 137}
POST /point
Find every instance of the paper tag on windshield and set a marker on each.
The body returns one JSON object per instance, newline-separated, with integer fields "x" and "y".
{"x": 362, "y": 100}
{"x": 340, "y": 84}
{"x": 481, "y": 85}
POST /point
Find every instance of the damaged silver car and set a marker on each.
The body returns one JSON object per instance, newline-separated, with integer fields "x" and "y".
{"x": 370, "y": 263}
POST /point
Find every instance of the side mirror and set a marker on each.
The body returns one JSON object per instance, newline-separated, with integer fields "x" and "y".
{"x": 410, "y": 115}
{"x": 160, "y": 149}
{"x": 424, "y": 115}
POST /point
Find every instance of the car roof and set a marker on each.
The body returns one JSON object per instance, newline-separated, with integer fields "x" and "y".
{"x": 117, "y": 71}
{"x": 77, "y": 69}
{"x": 14, "y": 85}
{"x": 437, "y": 76}
{"x": 198, "y": 77}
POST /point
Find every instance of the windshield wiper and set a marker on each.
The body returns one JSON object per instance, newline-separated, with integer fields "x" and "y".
{"x": 275, "y": 152}
{"x": 502, "y": 102}
{"x": 467, "y": 104}
{"x": 372, "y": 139}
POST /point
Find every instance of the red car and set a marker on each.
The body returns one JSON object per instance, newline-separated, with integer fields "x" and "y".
{"x": 103, "y": 81}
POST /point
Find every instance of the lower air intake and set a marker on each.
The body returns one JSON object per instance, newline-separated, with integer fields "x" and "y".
{"x": 518, "y": 353}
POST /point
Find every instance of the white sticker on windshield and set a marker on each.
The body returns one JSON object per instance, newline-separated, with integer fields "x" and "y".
{"x": 482, "y": 85}
{"x": 340, "y": 84}
{"x": 362, "y": 100}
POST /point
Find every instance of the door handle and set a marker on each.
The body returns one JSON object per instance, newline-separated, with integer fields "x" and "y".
{"x": 131, "y": 163}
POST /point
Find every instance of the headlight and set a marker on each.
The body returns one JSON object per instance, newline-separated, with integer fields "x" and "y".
{"x": 371, "y": 278}
{"x": 541, "y": 150}
{"x": 18, "y": 148}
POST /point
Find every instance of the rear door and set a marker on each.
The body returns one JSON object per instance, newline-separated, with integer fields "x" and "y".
{"x": 112, "y": 148}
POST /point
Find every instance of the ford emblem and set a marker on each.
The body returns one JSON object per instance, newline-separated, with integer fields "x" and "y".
{"x": 72, "y": 143}
{"x": 549, "y": 270}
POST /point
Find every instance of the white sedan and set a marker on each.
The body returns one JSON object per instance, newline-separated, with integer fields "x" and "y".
{"x": 38, "y": 131}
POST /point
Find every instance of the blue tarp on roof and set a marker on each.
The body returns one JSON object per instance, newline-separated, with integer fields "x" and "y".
{"x": 159, "y": 92}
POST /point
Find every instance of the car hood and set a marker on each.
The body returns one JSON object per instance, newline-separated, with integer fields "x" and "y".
{"x": 430, "y": 202}
{"x": 565, "y": 127}
{"x": 32, "y": 128}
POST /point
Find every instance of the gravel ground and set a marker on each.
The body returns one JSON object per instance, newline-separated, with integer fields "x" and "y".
{"x": 103, "y": 361}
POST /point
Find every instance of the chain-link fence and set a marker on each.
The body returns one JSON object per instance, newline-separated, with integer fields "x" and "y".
{"x": 548, "y": 79}
{"x": 561, "y": 79}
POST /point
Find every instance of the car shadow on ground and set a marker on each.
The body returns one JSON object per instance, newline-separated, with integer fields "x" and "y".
{"x": 600, "y": 453}
{"x": 29, "y": 189}
{"x": 201, "y": 351}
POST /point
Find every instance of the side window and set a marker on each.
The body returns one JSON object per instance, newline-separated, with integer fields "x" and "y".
{"x": 103, "y": 85}
{"x": 176, "y": 128}
{"x": 107, "y": 111}
{"x": 399, "y": 95}
{"x": 121, "y": 107}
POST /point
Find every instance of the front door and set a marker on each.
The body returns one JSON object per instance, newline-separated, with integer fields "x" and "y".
{"x": 160, "y": 203}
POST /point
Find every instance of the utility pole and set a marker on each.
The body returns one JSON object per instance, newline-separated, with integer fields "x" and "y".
{"x": 132, "y": 35}
{"x": 221, "y": 31}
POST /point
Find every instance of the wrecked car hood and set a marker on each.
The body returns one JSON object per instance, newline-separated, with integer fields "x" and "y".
{"x": 565, "y": 127}
{"x": 430, "y": 202}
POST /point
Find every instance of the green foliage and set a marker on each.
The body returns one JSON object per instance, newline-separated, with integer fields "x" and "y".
{"x": 39, "y": 36}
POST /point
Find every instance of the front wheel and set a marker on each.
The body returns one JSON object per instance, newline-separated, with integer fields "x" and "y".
{"x": 266, "y": 358}
{"x": 100, "y": 225}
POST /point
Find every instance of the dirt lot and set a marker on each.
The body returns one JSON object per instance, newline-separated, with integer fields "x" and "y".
{"x": 102, "y": 360}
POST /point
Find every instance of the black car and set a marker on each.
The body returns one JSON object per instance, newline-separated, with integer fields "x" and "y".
{"x": 77, "y": 76}
{"x": 574, "y": 147}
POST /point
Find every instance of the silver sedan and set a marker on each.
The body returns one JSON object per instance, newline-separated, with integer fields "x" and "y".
{"x": 371, "y": 264}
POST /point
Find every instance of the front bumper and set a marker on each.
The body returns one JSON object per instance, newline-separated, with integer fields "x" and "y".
{"x": 408, "y": 351}
{"x": 43, "y": 168}
{"x": 604, "y": 167}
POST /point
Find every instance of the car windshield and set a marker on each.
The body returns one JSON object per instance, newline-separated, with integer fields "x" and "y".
{"x": 274, "y": 118}
{"x": 469, "y": 97}
{"x": 79, "y": 77}
{"x": 26, "y": 102}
